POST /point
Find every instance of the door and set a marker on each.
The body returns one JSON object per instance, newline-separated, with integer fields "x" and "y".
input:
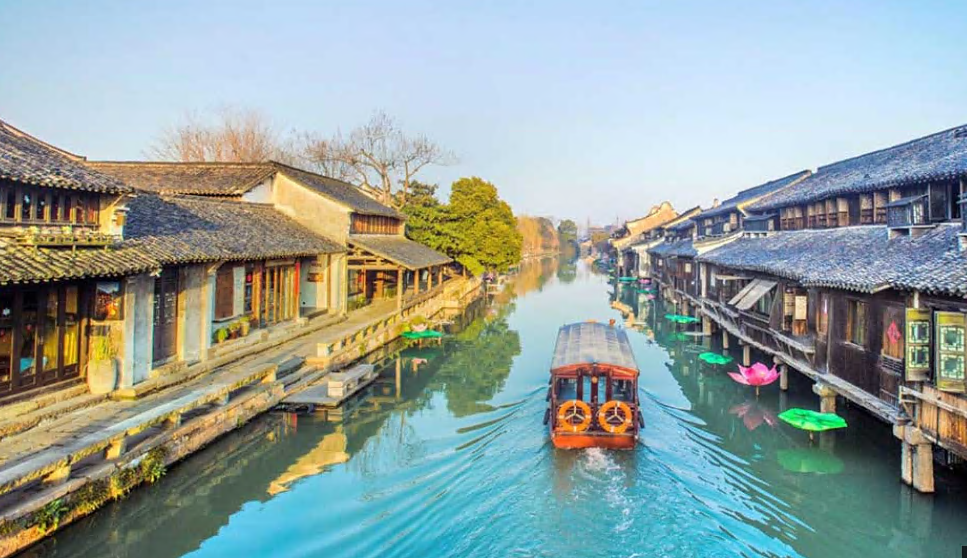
{"x": 165, "y": 316}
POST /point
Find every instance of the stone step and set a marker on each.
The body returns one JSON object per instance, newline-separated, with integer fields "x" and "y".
{"x": 37, "y": 417}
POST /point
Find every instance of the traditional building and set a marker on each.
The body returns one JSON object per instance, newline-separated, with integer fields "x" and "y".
{"x": 381, "y": 264}
{"x": 228, "y": 269}
{"x": 855, "y": 276}
{"x": 636, "y": 230}
{"x": 62, "y": 264}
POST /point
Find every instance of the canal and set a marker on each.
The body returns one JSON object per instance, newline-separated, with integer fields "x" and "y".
{"x": 447, "y": 456}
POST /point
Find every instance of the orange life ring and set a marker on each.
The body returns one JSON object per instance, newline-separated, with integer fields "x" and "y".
{"x": 611, "y": 413}
{"x": 570, "y": 410}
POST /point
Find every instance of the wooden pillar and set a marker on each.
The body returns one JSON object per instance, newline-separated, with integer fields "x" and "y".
{"x": 783, "y": 377}
{"x": 725, "y": 339}
{"x": 399, "y": 288}
{"x": 706, "y": 325}
{"x": 827, "y": 397}
{"x": 747, "y": 355}
{"x": 416, "y": 282}
{"x": 429, "y": 279}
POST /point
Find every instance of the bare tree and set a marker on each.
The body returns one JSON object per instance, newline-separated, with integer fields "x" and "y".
{"x": 234, "y": 135}
{"x": 377, "y": 156}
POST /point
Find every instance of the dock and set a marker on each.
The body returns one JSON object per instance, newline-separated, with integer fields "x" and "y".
{"x": 332, "y": 390}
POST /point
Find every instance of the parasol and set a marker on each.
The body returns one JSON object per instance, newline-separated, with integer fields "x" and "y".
{"x": 715, "y": 358}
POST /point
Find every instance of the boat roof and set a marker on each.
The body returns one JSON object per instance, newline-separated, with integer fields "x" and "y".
{"x": 593, "y": 343}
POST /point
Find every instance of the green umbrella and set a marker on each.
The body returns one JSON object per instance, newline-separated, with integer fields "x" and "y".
{"x": 680, "y": 319}
{"x": 715, "y": 358}
{"x": 627, "y": 279}
{"x": 812, "y": 421}
{"x": 428, "y": 334}
{"x": 809, "y": 460}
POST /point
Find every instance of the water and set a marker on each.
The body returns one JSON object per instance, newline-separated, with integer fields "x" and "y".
{"x": 452, "y": 460}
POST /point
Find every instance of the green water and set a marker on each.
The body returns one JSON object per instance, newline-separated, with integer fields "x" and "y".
{"x": 451, "y": 459}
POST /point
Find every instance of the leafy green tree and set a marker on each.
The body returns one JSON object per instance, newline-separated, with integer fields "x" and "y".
{"x": 483, "y": 226}
{"x": 428, "y": 220}
{"x": 476, "y": 227}
{"x": 567, "y": 231}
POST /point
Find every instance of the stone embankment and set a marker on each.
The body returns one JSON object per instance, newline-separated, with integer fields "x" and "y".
{"x": 62, "y": 458}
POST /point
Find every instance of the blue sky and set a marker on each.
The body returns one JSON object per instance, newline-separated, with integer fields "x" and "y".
{"x": 574, "y": 109}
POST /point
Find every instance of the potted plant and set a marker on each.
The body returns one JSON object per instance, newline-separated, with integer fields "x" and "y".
{"x": 221, "y": 335}
{"x": 245, "y": 325}
{"x": 102, "y": 367}
{"x": 233, "y": 329}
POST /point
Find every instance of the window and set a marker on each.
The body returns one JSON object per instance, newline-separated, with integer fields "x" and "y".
{"x": 892, "y": 345}
{"x": 26, "y": 205}
{"x": 764, "y": 304}
{"x": 856, "y": 322}
{"x": 950, "y": 352}
{"x": 939, "y": 193}
{"x": 225, "y": 292}
{"x": 10, "y": 205}
{"x": 822, "y": 314}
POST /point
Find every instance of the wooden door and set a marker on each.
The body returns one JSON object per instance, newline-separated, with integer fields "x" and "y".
{"x": 165, "y": 316}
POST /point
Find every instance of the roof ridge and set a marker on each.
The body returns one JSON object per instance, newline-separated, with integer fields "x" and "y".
{"x": 18, "y": 132}
{"x": 254, "y": 164}
{"x": 884, "y": 149}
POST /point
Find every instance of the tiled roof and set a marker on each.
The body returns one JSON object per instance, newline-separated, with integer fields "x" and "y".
{"x": 24, "y": 158}
{"x": 750, "y": 194}
{"x": 234, "y": 179}
{"x": 399, "y": 250}
{"x": 676, "y": 248}
{"x": 340, "y": 191}
{"x": 24, "y": 264}
{"x": 183, "y": 229}
{"x": 206, "y": 179}
{"x": 860, "y": 258}
{"x": 935, "y": 157}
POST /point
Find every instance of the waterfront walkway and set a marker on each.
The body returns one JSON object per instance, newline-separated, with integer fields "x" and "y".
{"x": 86, "y": 421}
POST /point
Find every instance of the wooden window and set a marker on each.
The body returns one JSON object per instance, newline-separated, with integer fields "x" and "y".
{"x": 866, "y": 209}
{"x": 939, "y": 200}
{"x": 26, "y": 204}
{"x": 225, "y": 292}
{"x": 879, "y": 207}
{"x": 856, "y": 322}
{"x": 917, "y": 362}
{"x": 68, "y": 209}
{"x": 10, "y": 204}
{"x": 822, "y": 314}
{"x": 832, "y": 216}
{"x": 950, "y": 351}
{"x": 892, "y": 336}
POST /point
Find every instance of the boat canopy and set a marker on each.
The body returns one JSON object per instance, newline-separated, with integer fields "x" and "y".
{"x": 584, "y": 343}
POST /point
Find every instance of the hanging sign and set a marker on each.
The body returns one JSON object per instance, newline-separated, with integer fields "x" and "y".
{"x": 801, "y": 306}
{"x": 316, "y": 273}
{"x": 950, "y": 352}
{"x": 917, "y": 361}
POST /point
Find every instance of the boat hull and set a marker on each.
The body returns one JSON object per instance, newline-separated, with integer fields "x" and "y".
{"x": 567, "y": 440}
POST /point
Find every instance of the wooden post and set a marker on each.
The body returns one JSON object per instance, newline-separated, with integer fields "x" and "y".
{"x": 429, "y": 278}
{"x": 827, "y": 397}
{"x": 399, "y": 288}
{"x": 783, "y": 377}
{"x": 906, "y": 462}
{"x": 747, "y": 355}
{"x": 725, "y": 339}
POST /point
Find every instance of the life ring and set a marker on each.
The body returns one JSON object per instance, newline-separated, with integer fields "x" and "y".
{"x": 615, "y": 417}
{"x": 574, "y": 409}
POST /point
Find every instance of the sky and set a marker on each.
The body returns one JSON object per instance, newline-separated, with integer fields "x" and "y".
{"x": 581, "y": 110}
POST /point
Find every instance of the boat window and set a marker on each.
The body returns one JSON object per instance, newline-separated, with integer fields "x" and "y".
{"x": 622, "y": 390}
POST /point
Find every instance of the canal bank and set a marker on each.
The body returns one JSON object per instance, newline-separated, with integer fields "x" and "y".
{"x": 451, "y": 459}
{"x": 66, "y": 467}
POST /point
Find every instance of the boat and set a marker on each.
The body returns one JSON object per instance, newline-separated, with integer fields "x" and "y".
{"x": 593, "y": 392}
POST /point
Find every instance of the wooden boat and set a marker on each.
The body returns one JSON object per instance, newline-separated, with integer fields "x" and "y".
{"x": 593, "y": 393}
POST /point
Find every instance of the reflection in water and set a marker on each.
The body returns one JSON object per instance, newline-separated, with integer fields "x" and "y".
{"x": 446, "y": 455}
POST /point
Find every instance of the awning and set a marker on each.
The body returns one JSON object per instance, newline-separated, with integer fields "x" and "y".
{"x": 730, "y": 277}
{"x": 759, "y": 288}
{"x": 399, "y": 250}
{"x": 745, "y": 290}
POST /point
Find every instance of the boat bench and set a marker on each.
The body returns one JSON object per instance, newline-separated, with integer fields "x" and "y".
{"x": 53, "y": 465}
{"x": 341, "y": 384}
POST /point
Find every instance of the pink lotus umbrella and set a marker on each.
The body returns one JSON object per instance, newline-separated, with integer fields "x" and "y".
{"x": 756, "y": 375}
{"x": 753, "y": 415}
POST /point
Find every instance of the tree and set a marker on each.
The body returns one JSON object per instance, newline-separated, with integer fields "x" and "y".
{"x": 230, "y": 135}
{"x": 378, "y": 156}
{"x": 428, "y": 220}
{"x": 475, "y": 227}
{"x": 483, "y": 226}
{"x": 539, "y": 235}
{"x": 567, "y": 234}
